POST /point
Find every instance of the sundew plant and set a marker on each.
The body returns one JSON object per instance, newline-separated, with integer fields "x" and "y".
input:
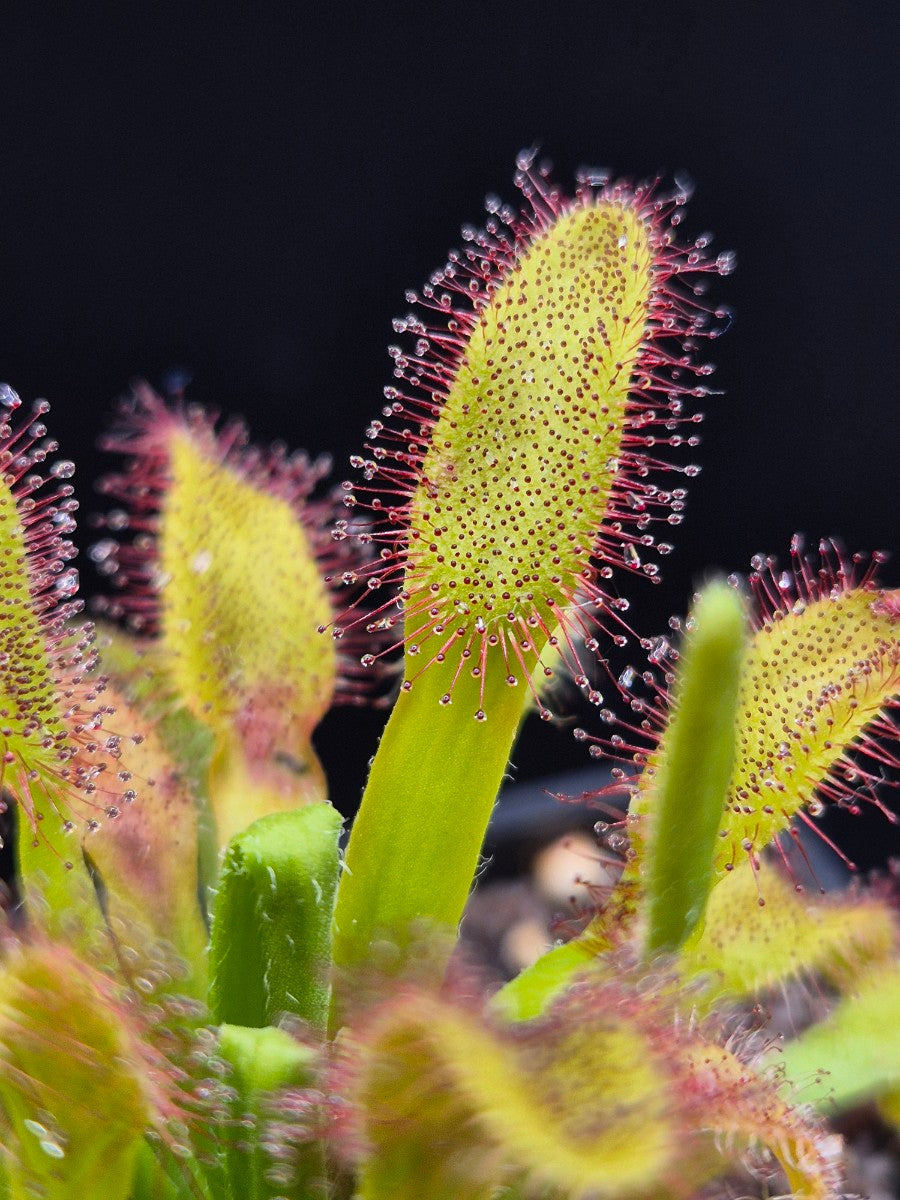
{"x": 205, "y": 995}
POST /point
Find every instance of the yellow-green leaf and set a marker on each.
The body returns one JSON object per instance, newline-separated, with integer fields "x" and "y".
{"x": 241, "y": 601}
{"x": 607, "y": 1095}
{"x": 532, "y": 423}
{"x": 41, "y": 661}
{"x": 814, "y": 678}
{"x": 78, "y": 1088}
{"x": 232, "y": 573}
{"x": 505, "y": 468}
{"x": 744, "y": 947}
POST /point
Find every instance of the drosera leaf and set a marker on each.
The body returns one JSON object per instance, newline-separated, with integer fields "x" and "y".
{"x": 745, "y": 1107}
{"x": 53, "y": 710}
{"x": 454, "y": 1107}
{"x": 511, "y": 470}
{"x": 271, "y": 937}
{"x": 228, "y": 563}
{"x": 608, "y": 1094}
{"x": 853, "y": 1055}
{"x": 65, "y": 1030}
{"x": 509, "y": 475}
{"x": 819, "y": 677}
{"x": 32, "y": 628}
{"x": 744, "y": 948}
{"x": 239, "y": 614}
{"x": 820, "y": 674}
{"x": 692, "y": 770}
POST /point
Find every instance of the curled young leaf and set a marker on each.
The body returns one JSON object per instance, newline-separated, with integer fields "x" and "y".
{"x": 271, "y": 935}
{"x": 606, "y": 1095}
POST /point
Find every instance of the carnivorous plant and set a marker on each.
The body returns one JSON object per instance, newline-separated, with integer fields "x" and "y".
{"x": 204, "y": 995}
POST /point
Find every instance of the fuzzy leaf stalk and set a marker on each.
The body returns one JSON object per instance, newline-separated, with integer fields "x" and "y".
{"x": 550, "y": 362}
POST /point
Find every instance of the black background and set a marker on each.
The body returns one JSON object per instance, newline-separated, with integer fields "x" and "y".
{"x": 246, "y": 193}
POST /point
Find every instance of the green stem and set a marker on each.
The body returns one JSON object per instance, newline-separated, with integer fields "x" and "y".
{"x": 415, "y": 843}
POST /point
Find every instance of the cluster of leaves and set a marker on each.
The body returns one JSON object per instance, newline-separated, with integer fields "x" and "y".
{"x": 201, "y": 995}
